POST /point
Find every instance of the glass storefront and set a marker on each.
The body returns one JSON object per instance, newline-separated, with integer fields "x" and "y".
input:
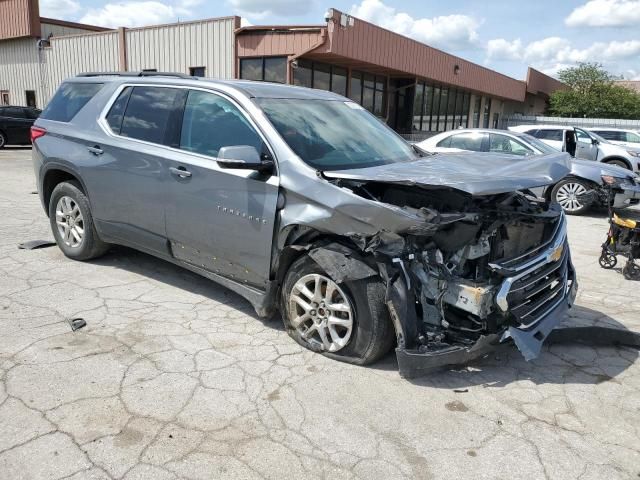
{"x": 266, "y": 69}
{"x": 439, "y": 108}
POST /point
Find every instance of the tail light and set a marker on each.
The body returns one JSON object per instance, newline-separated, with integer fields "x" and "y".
{"x": 37, "y": 132}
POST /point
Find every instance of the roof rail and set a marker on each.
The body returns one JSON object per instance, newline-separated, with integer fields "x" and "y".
{"x": 136, "y": 74}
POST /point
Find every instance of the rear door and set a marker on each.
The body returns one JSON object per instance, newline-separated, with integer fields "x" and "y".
{"x": 220, "y": 219}
{"x": 128, "y": 179}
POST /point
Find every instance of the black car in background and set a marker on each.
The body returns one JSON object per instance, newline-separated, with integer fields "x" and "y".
{"x": 15, "y": 125}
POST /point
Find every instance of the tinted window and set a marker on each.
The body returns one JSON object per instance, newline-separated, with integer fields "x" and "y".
{"x": 302, "y": 73}
{"x": 468, "y": 141}
{"x": 503, "y": 144}
{"x": 148, "y": 113}
{"x": 550, "y": 134}
{"x": 115, "y": 115}
{"x": 275, "y": 69}
{"x": 339, "y": 80}
{"x": 68, "y": 101}
{"x": 251, "y": 68}
{"x": 211, "y": 122}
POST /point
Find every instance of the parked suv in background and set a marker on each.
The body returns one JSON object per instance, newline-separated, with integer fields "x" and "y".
{"x": 15, "y": 123}
{"x": 618, "y": 136}
{"x": 581, "y": 189}
{"x": 301, "y": 200}
{"x": 580, "y": 143}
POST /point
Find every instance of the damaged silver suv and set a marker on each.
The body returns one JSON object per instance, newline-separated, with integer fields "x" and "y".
{"x": 303, "y": 202}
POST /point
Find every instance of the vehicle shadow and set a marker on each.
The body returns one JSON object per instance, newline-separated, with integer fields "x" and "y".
{"x": 175, "y": 276}
{"x": 562, "y": 363}
{"x": 593, "y": 359}
{"x": 17, "y": 147}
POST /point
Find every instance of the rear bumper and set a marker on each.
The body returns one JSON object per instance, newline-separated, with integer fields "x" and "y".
{"x": 529, "y": 340}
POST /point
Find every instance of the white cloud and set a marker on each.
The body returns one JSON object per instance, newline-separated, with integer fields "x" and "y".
{"x": 553, "y": 53}
{"x": 448, "y": 32}
{"x": 59, "y": 8}
{"x": 258, "y": 9}
{"x": 138, "y": 13}
{"x": 605, "y": 13}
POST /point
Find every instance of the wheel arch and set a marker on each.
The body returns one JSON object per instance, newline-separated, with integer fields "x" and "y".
{"x": 618, "y": 159}
{"x": 53, "y": 176}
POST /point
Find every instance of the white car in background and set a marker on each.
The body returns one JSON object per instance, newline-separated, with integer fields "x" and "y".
{"x": 618, "y": 136}
{"x": 576, "y": 193}
{"x": 583, "y": 144}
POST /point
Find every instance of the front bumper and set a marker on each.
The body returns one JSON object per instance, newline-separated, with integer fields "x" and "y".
{"x": 553, "y": 271}
{"x": 630, "y": 195}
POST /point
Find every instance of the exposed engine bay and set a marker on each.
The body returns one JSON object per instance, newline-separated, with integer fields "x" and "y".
{"x": 478, "y": 270}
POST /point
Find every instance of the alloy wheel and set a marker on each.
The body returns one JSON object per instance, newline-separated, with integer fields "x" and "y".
{"x": 69, "y": 221}
{"x": 320, "y": 312}
{"x": 568, "y": 196}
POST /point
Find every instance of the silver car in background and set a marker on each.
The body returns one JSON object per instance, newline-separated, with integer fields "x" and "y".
{"x": 580, "y": 190}
{"x": 583, "y": 144}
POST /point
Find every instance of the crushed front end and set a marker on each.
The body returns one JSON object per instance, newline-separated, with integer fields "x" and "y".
{"x": 480, "y": 270}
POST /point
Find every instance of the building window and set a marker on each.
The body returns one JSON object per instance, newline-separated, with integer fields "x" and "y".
{"x": 452, "y": 109}
{"x": 196, "y": 71}
{"x": 264, "y": 69}
{"x": 4, "y": 97}
{"x": 485, "y": 114}
{"x": 444, "y": 102}
{"x": 373, "y": 90}
{"x": 466, "y": 103}
{"x": 418, "y": 106}
{"x": 476, "y": 111}
{"x": 323, "y": 76}
{"x": 149, "y": 69}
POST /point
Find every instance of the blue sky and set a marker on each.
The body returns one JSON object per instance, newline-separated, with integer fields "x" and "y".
{"x": 505, "y": 35}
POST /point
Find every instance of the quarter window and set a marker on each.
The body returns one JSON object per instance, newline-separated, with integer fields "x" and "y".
{"x": 148, "y": 112}
{"x": 211, "y": 122}
{"x": 68, "y": 100}
{"x": 115, "y": 115}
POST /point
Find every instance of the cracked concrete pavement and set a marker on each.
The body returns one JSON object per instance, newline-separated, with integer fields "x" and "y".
{"x": 175, "y": 377}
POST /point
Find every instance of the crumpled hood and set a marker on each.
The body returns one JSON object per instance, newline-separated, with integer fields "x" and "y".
{"x": 471, "y": 172}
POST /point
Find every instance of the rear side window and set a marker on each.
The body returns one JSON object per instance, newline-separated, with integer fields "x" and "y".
{"x": 68, "y": 101}
{"x": 148, "y": 113}
{"x": 15, "y": 112}
{"x": 468, "y": 141}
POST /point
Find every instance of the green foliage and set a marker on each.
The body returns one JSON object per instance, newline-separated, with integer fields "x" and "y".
{"x": 593, "y": 94}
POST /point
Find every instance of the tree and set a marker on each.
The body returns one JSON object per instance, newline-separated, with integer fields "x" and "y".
{"x": 593, "y": 93}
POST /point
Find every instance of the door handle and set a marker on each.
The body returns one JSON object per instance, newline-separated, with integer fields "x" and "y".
{"x": 96, "y": 150}
{"x": 180, "y": 172}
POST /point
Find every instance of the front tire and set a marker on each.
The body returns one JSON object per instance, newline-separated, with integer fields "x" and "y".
{"x": 347, "y": 321}
{"x": 72, "y": 223}
{"x": 3, "y": 140}
{"x": 618, "y": 163}
{"x": 567, "y": 192}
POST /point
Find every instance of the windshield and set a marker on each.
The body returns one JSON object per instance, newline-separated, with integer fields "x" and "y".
{"x": 539, "y": 144}
{"x": 335, "y": 134}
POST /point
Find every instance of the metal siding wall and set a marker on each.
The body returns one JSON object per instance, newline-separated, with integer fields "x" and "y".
{"x": 49, "y": 29}
{"x": 18, "y": 18}
{"x": 20, "y": 70}
{"x": 261, "y": 43}
{"x": 175, "y": 48}
{"x": 68, "y": 56}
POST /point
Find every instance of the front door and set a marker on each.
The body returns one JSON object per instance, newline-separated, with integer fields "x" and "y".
{"x": 220, "y": 219}
{"x": 586, "y": 149}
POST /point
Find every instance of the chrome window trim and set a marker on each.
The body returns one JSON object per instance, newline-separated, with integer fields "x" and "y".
{"x": 104, "y": 125}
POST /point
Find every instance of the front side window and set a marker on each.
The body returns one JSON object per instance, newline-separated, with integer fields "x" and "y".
{"x": 211, "y": 122}
{"x": 335, "y": 135}
{"x": 504, "y": 144}
{"x": 68, "y": 100}
{"x": 471, "y": 141}
{"x": 148, "y": 112}
{"x": 632, "y": 137}
{"x": 583, "y": 136}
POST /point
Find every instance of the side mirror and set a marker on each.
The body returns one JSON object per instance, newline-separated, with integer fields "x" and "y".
{"x": 595, "y": 141}
{"x": 243, "y": 157}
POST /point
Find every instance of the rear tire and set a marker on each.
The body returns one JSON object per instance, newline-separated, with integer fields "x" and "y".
{"x": 3, "y": 140}
{"x": 566, "y": 191}
{"x": 72, "y": 223}
{"x": 368, "y": 326}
